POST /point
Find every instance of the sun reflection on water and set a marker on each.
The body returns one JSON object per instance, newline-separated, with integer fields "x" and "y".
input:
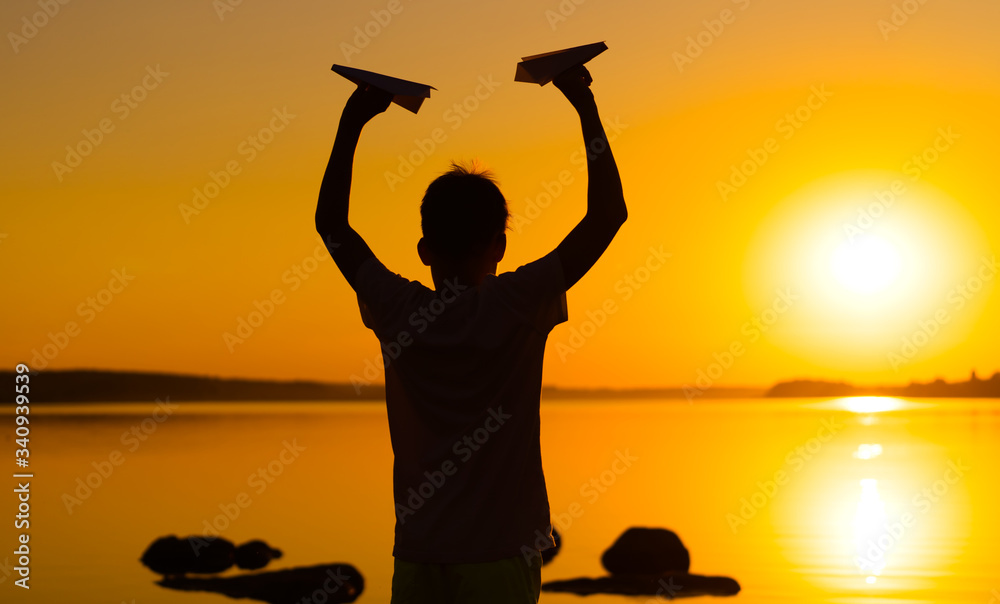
{"x": 868, "y": 451}
{"x": 869, "y": 521}
{"x": 871, "y": 404}
{"x": 887, "y": 507}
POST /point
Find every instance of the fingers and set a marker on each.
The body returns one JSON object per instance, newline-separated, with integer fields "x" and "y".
{"x": 577, "y": 73}
{"x": 369, "y": 95}
{"x": 378, "y": 97}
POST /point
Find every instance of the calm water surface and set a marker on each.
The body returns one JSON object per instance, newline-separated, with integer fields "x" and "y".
{"x": 803, "y": 500}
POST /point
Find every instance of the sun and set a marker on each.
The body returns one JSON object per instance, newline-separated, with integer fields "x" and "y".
{"x": 866, "y": 265}
{"x": 867, "y": 270}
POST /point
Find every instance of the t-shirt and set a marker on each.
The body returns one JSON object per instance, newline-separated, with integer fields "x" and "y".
{"x": 463, "y": 378}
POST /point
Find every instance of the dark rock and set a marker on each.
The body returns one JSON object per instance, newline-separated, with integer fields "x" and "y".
{"x": 173, "y": 556}
{"x": 205, "y": 555}
{"x": 255, "y": 554}
{"x": 337, "y": 582}
{"x": 666, "y": 585}
{"x": 646, "y": 551}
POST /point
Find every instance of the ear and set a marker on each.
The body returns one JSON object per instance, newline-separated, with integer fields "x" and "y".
{"x": 425, "y": 254}
{"x": 499, "y": 246}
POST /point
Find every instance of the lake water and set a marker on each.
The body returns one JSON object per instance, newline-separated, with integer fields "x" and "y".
{"x": 801, "y": 500}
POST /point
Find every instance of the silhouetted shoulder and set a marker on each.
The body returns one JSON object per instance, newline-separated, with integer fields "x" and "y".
{"x": 383, "y": 293}
{"x": 535, "y": 291}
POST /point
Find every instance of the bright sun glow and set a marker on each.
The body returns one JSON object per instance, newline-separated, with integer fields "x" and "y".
{"x": 864, "y": 273}
{"x": 871, "y": 404}
{"x": 866, "y": 265}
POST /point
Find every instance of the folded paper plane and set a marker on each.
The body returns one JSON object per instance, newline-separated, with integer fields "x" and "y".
{"x": 542, "y": 69}
{"x": 406, "y": 94}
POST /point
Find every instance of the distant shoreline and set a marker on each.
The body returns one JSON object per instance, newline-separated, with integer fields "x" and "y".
{"x": 89, "y": 385}
{"x": 92, "y": 385}
{"x": 971, "y": 388}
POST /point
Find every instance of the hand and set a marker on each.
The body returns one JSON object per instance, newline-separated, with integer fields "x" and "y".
{"x": 365, "y": 103}
{"x": 574, "y": 83}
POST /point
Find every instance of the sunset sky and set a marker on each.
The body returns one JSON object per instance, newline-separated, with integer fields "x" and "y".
{"x": 811, "y": 186}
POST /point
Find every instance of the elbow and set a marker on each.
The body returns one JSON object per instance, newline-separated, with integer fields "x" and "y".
{"x": 322, "y": 230}
{"x": 613, "y": 215}
{"x": 326, "y": 232}
{"x": 325, "y": 226}
{"x": 620, "y": 214}
{"x": 332, "y": 233}
{"x": 320, "y": 221}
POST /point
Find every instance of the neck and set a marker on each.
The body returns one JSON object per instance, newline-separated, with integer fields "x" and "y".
{"x": 470, "y": 274}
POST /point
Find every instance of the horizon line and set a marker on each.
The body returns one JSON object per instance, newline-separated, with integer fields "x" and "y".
{"x": 34, "y": 371}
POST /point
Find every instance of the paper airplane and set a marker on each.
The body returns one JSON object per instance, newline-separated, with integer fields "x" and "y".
{"x": 406, "y": 94}
{"x": 541, "y": 69}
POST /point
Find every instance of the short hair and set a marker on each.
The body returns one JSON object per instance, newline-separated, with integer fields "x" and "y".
{"x": 461, "y": 212}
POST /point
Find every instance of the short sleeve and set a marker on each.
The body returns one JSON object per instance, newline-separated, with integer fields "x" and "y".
{"x": 382, "y": 294}
{"x": 536, "y": 292}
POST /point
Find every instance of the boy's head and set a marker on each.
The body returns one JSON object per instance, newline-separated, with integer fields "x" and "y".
{"x": 463, "y": 217}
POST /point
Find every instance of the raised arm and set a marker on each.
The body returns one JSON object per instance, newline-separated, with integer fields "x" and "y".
{"x": 605, "y": 200}
{"x": 348, "y": 249}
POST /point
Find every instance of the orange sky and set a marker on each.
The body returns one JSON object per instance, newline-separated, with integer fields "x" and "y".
{"x": 832, "y": 100}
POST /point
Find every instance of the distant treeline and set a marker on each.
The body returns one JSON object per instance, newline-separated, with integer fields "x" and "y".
{"x": 972, "y": 388}
{"x": 85, "y": 385}
{"x": 718, "y": 392}
{"x": 121, "y": 386}
{"x": 71, "y": 386}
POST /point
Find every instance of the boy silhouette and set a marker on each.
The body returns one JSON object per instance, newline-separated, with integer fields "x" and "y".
{"x": 463, "y": 363}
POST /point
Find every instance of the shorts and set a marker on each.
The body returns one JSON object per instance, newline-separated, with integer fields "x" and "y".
{"x": 508, "y": 581}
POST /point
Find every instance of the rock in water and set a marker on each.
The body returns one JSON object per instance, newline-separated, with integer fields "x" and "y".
{"x": 668, "y": 585}
{"x": 172, "y": 556}
{"x": 255, "y": 554}
{"x": 329, "y": 583}
{"x": 646, "y": 551}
